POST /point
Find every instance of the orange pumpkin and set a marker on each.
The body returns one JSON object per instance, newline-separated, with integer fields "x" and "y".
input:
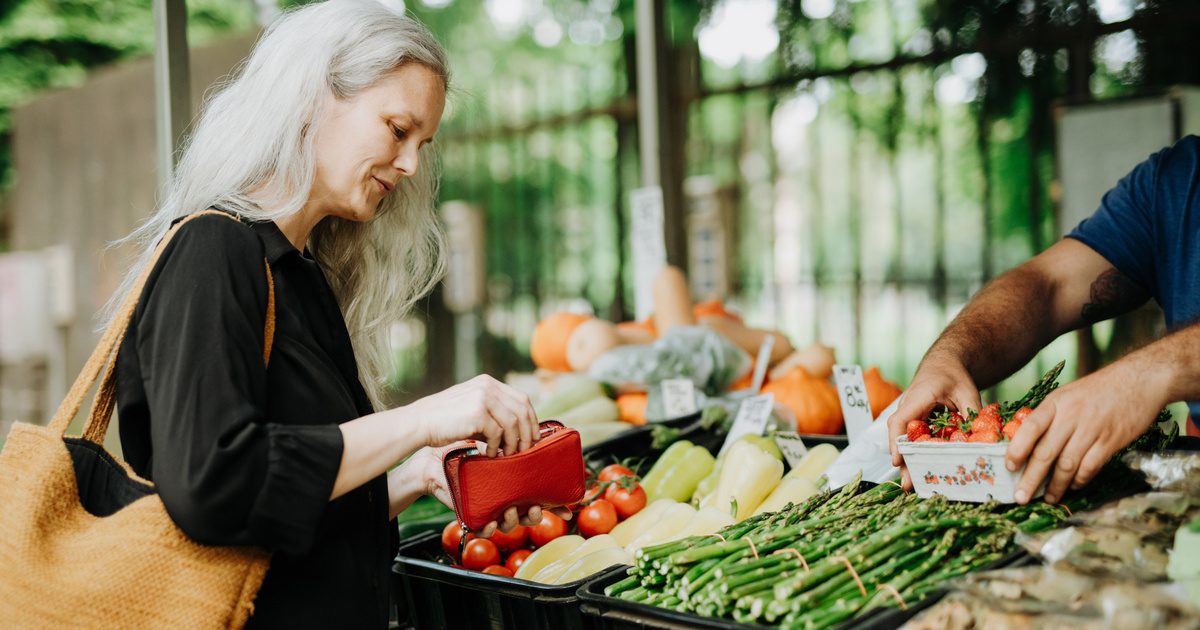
{"x": 713, "y": 307}
{"x": 813, "y": 401}
{"x": 746, "y": 380}
{"x": 548, "y": 349}
{"x": 632, "y": 408}
{"x": 880, "y": 391}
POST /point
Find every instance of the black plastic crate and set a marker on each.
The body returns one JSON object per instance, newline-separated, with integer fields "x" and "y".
{"x": 612, "y": 613}
{"x": 430, "y": 594}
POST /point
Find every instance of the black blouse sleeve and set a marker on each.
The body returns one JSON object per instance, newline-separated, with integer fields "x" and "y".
{"x": 226, "y": 475}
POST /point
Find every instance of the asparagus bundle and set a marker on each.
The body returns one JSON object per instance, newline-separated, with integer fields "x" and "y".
{"x": 834, "y": 557}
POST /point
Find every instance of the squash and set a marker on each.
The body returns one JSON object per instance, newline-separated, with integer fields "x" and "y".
{"x": 813, "y": 401}
{"x": 672, "y": 300}
{"x": 817, "y": 360}
{"x": 632, "y": 408}
{"x": 880, "y": 391}
{"x": 749, "y": 339}
{"x": 548, "y": 348}
{"x": 589, "y": 340}
{"x": 631, "y": 333}
{"x": 713, "y": 307}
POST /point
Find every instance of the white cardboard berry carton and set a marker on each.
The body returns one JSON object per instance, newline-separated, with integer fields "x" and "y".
{"x": 961, "y": 471}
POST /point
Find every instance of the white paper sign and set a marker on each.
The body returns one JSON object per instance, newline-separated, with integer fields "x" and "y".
{"x": 679, "y": 397}
{"x": 760, "y": 363}
{"x": 751, "y": 418}
{"x": 648, "y": 247}
{"x": 792, "y": 446}
{"x": 853, "y": 394}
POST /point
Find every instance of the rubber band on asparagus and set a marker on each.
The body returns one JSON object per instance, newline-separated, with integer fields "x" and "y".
{"x": 895, "y": 595}
{"x": 853, "y": 573}
{"x": 752, "y": 549}
{"x": 798, "y": 555}
{"x": 720, "y": 537}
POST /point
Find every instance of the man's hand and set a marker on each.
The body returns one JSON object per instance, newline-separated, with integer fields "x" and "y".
{"x": 938, "y": 382}
{"x": 1079, "y": 427}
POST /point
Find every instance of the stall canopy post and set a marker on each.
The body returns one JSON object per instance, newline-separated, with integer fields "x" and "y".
{"x": 658, "y": 138}
{"x": 172, "y": 90}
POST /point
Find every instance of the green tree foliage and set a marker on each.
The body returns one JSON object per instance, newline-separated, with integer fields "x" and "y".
{"x": 47, "y": 44}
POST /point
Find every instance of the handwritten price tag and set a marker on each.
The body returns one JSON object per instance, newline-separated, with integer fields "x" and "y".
{"x": 679, "y": 397}
{"x": 853, "y": 394}
{"x": 751, "y": 419}
{"x": 792, "y": 446}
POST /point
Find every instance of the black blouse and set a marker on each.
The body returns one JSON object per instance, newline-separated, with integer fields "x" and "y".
{"x": 243, "y": 454}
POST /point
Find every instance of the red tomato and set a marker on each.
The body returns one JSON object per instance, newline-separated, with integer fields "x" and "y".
{"x": 627, "y": 502}
{"x": 512, "y": 540}
{"x": 591, "y": 493}
{"x": 516, "y": 559}
{"x": 450, "y": 538}
{"x": 598, "y": 518}
{"x": 548, "y": 529}
{"x": 612, "y": 472}
{"x": 480, "y": 553}
{"x": 498, "y": 569}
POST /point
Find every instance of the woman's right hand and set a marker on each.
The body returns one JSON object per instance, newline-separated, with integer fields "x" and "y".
{"x": 482, "y": 409}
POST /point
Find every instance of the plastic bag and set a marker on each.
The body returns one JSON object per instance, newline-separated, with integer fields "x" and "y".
{"x": 697, "y": 353}
{"x": 868, "y": 453}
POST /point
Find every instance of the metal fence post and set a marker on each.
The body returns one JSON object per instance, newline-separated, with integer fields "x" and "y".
{"x": 172, "y": 83}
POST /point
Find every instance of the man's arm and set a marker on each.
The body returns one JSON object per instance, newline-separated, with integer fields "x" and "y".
{"x": 1008, "y": 322}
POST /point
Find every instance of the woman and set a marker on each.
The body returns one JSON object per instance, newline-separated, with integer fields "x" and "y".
{"x": 317, "y": 146}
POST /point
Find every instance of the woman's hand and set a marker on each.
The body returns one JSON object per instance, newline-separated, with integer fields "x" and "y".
{"x": 424, "y": 472}
{"x": 938, "y": 382}
{"x": 480, "y": 409}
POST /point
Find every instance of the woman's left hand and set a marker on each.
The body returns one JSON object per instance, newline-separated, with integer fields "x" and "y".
{"x": 426, "y": 466}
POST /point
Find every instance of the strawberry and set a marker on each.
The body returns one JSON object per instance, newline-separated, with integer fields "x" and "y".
{"x": 958, "y": 436}
{"x": 916, "y": 429}
{"x": 986, "y": 423}
{"x": 1021, "y": 414}
{"x": 987, "y": 437}
{"x": 992, "y": 408}
{"x": 1010, "y": 429}
{"x": 925, "y": 437}
{"x": 945, "y": 423}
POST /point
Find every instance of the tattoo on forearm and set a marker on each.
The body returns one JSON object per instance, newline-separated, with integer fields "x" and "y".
{"x": 1112, "y": 293}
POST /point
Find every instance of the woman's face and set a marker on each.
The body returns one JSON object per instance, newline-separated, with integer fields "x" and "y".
{"x": 366, "y": 144}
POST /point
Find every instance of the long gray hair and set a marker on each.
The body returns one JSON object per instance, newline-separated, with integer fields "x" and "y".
{"x": 251, "y": 152}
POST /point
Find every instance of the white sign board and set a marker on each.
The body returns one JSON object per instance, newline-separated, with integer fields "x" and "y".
{"x": 852, "y": 392}
{"x": 751, "y": 419}
{"x": 649, "y": 248}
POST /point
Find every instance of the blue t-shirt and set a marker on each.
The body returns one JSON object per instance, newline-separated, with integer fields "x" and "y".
{"x": 1147, "y": 226}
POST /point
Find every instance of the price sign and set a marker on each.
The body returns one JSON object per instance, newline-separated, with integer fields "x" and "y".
{"x": 853, "y": 394}
{"x": 792, "y": 446}
{"x": 760, "y": 364}
{"x": 751, "y": 418}
{"x": 679, "y": 397}
{"x": 648, "y": 247}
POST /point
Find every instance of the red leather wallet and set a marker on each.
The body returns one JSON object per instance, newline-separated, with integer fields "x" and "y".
{"x": 548, "y": 474}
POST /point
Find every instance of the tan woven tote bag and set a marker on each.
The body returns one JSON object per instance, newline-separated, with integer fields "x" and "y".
{"x": 63, "y": 567}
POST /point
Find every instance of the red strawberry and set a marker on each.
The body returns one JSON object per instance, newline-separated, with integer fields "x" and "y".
{"x": 984, "y": 436}
{"x": 958, "y": 436}
{"x": 926, "y": 438}
{"x": 986, "y": 423}
{"x": 1010, "y": 429}
{"x": 916, "y": 429}
{"x": 1021, "y": 414}
{"x": 946, "y": 423}
{"x": 992, "y": 408}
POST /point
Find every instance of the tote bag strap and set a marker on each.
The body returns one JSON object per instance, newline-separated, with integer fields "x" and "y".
{"x": 106, "y": 350}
